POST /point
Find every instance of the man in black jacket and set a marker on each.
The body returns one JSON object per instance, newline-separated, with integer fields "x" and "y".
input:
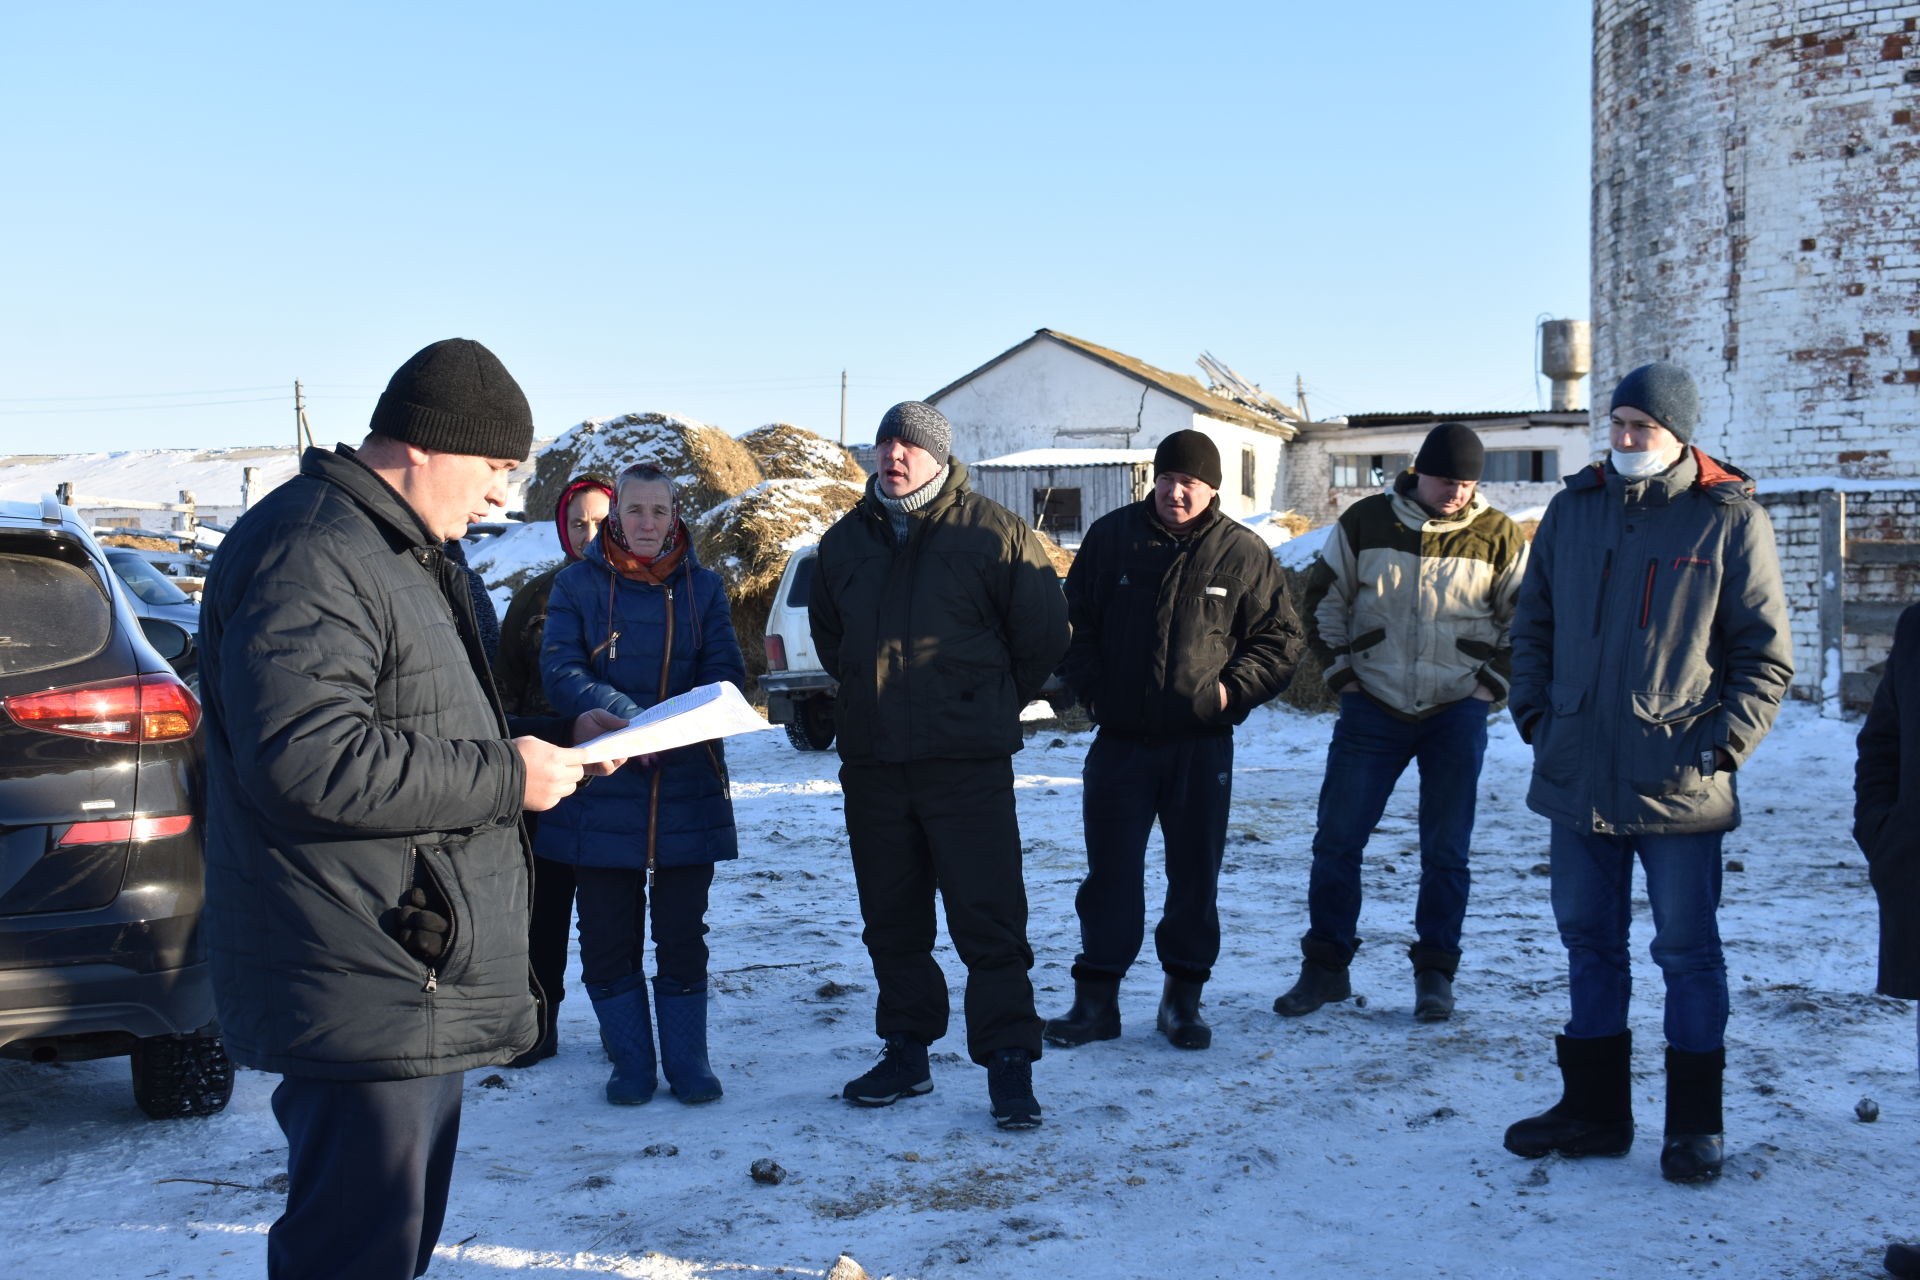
{"x": 940, "y": 616}
{"x": 1885, "y": 783}
{"x": 1181, "y": 627}
{"x": 366, "y": 872}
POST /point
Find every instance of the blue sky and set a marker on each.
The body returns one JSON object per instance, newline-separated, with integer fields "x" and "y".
{"x": 714, "y": 209}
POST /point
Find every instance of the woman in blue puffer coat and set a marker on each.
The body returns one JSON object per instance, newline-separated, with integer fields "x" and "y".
{"x": 635, "y": 621}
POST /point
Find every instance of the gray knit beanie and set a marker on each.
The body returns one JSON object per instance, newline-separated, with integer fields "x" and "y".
{"x": 1665, "y": 393}
{"x": 918, "y": 423}
{"x": 456, "y": 396}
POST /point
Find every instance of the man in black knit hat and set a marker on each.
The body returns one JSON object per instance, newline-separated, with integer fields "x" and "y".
{"x": 1407, "y": 608}
{"x": 940, "y": 616}
{"x": 1181, "y": 627}
{"x": 366, "y": 871}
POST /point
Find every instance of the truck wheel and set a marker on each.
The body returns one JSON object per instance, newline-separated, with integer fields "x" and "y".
{"x": 181, "y": 1076}
{"x": 811, "y": 728}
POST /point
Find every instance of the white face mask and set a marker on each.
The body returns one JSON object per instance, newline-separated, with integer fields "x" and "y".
{"x": 1639, "y": 466}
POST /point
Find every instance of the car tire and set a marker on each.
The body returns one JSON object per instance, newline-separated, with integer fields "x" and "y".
{"x": 177, "y": 1076}
{"x": 811, "y": 728}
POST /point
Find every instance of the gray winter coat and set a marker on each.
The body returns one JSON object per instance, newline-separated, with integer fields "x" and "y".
{"x": 1651, "y": 629}
{"x": 356, "y": 750}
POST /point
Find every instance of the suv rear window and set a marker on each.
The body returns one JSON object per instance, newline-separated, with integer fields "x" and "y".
{"x": 802, "y": 582}
{"x": 52, "y": 611}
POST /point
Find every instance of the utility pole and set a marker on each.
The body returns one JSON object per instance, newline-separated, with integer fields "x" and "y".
{"x": 302, "y": 433}
{"x": 843, "y": 408}
{"x": 1300, "y": 395}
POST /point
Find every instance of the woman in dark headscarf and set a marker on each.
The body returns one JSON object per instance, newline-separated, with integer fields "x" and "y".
{"x": 578, "y": 515}
{"x": 635, "y": 622}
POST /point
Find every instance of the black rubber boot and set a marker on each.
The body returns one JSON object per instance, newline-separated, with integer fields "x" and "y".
{"x": 1095, "y": 1014}
{"x": 1180, "y": 1021}
{"x": 1594, "y": 1116}
{"x": 1694, "y": 1149}
{"x": 1323, "y": 979}
{"x": 1903, "y": 1259}
{"x": 1433, "y": 971}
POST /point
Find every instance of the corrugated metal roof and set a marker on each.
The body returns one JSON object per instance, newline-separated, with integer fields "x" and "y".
{"x": 1067, "y": 458}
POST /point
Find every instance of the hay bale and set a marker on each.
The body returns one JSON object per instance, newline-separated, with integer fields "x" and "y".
{"x": 787, "y": 452}
{"x": 1059, "y": 556}
{"x": 748, "y": 539}
{"x": 1308, "y": 689}
{"x": 707, "y": 464}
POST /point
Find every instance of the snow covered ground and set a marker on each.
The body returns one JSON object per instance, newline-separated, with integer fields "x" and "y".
{"x": 1352, "y": 1142}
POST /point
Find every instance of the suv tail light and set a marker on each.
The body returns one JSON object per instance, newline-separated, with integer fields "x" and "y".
{"x": 151, "y": 708}
{"x": 776, "y": 653}
{"x": 114, "y": 830}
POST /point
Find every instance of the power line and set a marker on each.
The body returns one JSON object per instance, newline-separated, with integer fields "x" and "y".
{"x": 142, "y": 408}
{"x": 131, "y": 395}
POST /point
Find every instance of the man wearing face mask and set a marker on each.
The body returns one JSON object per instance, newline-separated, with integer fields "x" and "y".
{"x": 1650, "y": 655}
{"x": 941, "y": 617}
{"x": 1181, "y": 627}
{"x": 1407, "y": 608}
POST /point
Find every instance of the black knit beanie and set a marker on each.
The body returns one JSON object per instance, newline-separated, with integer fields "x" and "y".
{"x": 456, "y": 396}
{"x": 1452, "y": 451}
{"x": 1665, "y": 393}
{"x": 918, "y": 423}
{"x": 1191, "y": 453}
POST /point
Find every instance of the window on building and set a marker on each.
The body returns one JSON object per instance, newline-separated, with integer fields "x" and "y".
{"x": 1249, "y": 467}
{"x": 1367, "y": 470}
{"x": 1056, "y": 511}
{"x": 1520, "y": 466}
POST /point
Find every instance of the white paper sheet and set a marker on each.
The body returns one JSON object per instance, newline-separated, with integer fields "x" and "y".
{"x": 698, "y": 715}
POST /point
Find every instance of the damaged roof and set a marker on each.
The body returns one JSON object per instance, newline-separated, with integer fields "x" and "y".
{"x": 1181, "y": 387}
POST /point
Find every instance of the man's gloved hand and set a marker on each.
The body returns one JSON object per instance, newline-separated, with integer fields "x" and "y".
{"x": 422, "y": 932}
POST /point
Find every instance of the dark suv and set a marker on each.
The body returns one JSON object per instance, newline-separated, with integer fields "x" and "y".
{"x": 100, "y": 804}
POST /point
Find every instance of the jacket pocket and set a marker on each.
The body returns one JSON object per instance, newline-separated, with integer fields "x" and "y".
{"x": 1560, "y": 735}
{"x": 1675, "y": 728}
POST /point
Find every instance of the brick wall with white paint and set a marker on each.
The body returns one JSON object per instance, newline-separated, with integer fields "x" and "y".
{"x": 1756, "y": 176}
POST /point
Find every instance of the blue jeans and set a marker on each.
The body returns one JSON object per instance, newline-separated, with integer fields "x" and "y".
{"x": 1369, "y": 752}
{"x": 1592, "y": 903}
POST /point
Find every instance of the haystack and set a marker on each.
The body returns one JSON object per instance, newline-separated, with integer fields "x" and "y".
{"x": 707, "y": 464}
{"x": 1061, "y": 558}
{"x": 787, "y": 452}
{"x": 747, "y": 541}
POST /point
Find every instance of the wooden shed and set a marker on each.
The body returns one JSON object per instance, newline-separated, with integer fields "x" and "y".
{"x": 1063, "y": 491}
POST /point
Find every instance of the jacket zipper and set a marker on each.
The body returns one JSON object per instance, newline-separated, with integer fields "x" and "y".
{"x": 413, "y": 873}
{"x": 1646, "y": 598}
{"x": 653, "y": 799}
{"x": 1600, "y": 597}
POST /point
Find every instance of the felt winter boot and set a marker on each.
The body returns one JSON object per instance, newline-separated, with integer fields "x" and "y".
{"x": 1095, "y": 1014}
{"x": 1902, "y": 1259}
{"x": 682, "y": 1011}
{"x": 1433, "y": 971}
{"x": 1694, "y": 1148}
{"x": 1180, "y": 1021}
{"x": 1323, "y": 979}
{"x": 626, "y": 1027}
{"x": 1594, "y": 1116}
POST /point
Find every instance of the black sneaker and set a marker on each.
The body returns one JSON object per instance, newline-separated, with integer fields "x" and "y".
{"x": 900, "y": 1073}
{"x": 1010, "y": 1088}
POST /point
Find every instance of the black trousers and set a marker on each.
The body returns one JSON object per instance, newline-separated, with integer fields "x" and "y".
{"x": 613, "y": 922}
{"x": 368, "y": 1164}
{"x": 550, "y": 931}
{"x": 1187, "y": 783}
{"x": 945, "y": 825}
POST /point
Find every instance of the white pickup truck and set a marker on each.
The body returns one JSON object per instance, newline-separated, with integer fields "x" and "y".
{"x": 799, "y": 693}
